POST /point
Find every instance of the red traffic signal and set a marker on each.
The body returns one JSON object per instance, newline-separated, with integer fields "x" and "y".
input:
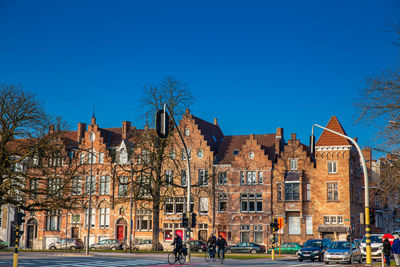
{"x": 162, "y": 123}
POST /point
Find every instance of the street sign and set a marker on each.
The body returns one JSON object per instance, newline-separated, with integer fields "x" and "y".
{"x": 280, "y": 222}
{"x": 390, "y": 237}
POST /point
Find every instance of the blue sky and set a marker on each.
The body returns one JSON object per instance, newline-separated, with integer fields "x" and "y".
{"x": 255, "y": 65}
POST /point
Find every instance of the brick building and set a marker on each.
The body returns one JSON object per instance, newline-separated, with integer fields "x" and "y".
{"x": 239, "y": 183}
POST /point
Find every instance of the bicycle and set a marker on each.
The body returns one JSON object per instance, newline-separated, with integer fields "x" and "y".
{"x": 221, "y": 257}
{"x": 179, "y": 257}
{"x": 208, "y": 257}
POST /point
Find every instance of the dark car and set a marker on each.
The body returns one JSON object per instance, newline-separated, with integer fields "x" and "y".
{"x": 67, "y": 243}
{"x": 246, "y": 247}
{"x": 313, "y": 249}
{"x": 112, "y": 244}
{"x": 197, "y": 245}
{"x": 287, "y": 248}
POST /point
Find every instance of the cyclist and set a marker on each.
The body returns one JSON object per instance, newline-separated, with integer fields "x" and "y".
{"x": 221, "y": 245}
{"x": 178, "y": 245}
{"x": 211, "y": 243}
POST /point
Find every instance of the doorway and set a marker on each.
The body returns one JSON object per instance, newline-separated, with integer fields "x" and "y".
{"x": 31, "y": 235}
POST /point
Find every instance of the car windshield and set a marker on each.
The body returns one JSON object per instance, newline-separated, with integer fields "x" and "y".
{"x": 340, "y": 245}
{"x": 313, "y": 243}
{"x": 374, "y": 239}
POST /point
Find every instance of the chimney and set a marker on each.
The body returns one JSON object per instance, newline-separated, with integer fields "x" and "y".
{"x": 81, "y": 131}
{"x": 187, "y": 111}
{"x": 126, "y": 128}
{"x": 93, "y": 119}
{"x": 215, "y": 121}
{"x": 279, "y": 132}
{"x": 356, "y": 139}
{"x": 51, "y": 129}
{"x": 293, "y": 136}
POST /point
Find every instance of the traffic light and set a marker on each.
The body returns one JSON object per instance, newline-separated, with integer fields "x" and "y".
{"x": 162, "y": 123}
{"x": 274, "y": 225}
{"x": 20, "y": 218}
{"x": 371, "y": 216}
{"x": 185, "y": 221}
{"x": 194, "y": 220}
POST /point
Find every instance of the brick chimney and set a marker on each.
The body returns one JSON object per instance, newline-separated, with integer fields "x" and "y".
{"x": 81, "y": 131}
{"x": 279, "y": 132}
{"x": 126, "y": 128}
{"x": 215, "y": 121}
{"x": 293, "y": 136}
{"x": 51, "y": 128}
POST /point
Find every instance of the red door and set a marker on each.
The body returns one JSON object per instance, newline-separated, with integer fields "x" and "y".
{"x": 120, "y": 232}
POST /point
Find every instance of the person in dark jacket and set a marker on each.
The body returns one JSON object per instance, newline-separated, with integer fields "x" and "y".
{"x": 396, "y": 250}
{"x": 386, "y": 250}
{"x": 211, "y": 243}
{"x": 221, "y": 245}
{"x": 178, "y": 244}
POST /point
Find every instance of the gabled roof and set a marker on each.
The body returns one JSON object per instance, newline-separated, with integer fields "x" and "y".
{"x": 330, "y": 139}
{"x": 235, "y": 142}
{"x": 211, "y": 132}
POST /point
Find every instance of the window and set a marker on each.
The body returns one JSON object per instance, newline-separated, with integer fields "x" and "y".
{"x": 333, "y": 194}
{"x": 242, "y": 181}
{"x": 169, "y": 205}
{"x": 308, "y": 192}
{"x": 101, "y": 157}
{"x": 145, "y": 157}
{"x": 187, "y": 132}
{"x": 340, "y": 219}
{"x": 279, "y": 192}
{"x": 200, "y": 153}
{"x": 75, "y": 218}
{"x": 258, "y": 234}
{"x": 143, "y": 220}
{"x": 235, "y": 152}
{"x": 203, "y": 177}
{"x": 76, "y": 186}
{"x": 260, "y": 178}
{"x": 332, "y": 167}
{"x": 222, "y": 180}
{"x": 92, "y": 217}
{"x": 91, "y": 157}
{"x": 203, "y": 209}
{"x": 293, "y": 164}
{"x": 34, "y": 184}
{"x": 250, "y": 202}
{"x": 123, "y": 156}
{"x": 245, "y": 233}
{"x": 82, "y": 158}
{"x": 251, "y": 155}
{"x": 251, "y": 178}
{"x": 309, "y": 230}
{"x": 292, "y": 191}
{"x": 222, "y": 200}
{"x": 122, "y": 211}
{"x": 123, "y": 186}
{"x": 333, "y": 220}
{"x": 55, "y": 186}
{"x": 327, "y": 220}
{"x": 179, "y": 204}
{"x": 104, "y": 185}
{"x": 169, "y": 177}
{"x": 294, "y": 225}
{"x": 184, "y": 154}
{"x": 53, "y": 219}
{"x": 87, "y": 184}
{"x": 183, "y": 178}
{"x": 144, "y": 186}
{"x": 104, "y": 215}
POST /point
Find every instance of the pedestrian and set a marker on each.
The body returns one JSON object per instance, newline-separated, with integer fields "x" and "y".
{"x": 396, "y": 250}
{"x": 386, "y": 250}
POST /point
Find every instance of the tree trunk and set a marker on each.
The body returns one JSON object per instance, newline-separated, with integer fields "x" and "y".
{"x": 156, "y": 220}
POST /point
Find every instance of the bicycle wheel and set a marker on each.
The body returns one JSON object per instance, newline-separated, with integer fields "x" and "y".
{"x": 207, "y": 256}
{"x": 181, "y": 258}
{"x": 171, "y": 258}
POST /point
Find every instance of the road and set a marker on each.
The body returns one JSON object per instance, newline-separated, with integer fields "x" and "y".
{"x": 115, "y": 260}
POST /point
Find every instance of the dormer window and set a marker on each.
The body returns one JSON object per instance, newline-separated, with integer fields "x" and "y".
{"x": 187, "y": 132}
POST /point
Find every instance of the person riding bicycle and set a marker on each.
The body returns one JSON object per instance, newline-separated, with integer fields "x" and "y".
{"x": 211, "y": 243}
{"x": 178, "y": 245}
{"x": 221, "y": 245}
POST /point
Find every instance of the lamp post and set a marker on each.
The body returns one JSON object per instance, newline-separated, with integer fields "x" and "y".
{"x": 92, "y": 137}
{"x": 130, "y": 214}
{"x": 366, "y": 193}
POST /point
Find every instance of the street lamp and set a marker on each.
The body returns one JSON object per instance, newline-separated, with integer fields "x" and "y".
{"x": 92, "y": 137}
{"x": 366, "y": 193}
{"x": 130, "y": 214}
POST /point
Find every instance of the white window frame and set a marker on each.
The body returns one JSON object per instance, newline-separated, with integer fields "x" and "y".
{"x": 293, "y": 164}
{"x": 332, "y": 167}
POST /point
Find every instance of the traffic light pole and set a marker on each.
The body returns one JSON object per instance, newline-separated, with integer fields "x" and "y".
{"x": 189, "y": 181}
{"x": 366, "y": 191}
{"x": 15, "y": 263}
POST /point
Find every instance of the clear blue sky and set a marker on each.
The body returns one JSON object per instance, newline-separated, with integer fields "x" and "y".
{"x": 255, "y": 65}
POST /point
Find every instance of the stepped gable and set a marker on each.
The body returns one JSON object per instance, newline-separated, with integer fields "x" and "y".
{"x": 235, "y": 142}
{"x": 211, "y": 132}
{"x": 330, "y": 139}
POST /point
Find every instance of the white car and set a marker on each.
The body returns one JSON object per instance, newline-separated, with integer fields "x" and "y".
{"x": 376, "y": 246}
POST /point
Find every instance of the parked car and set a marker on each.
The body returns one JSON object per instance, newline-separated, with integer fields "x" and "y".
{"x": 3, "y": 244}
{"x": 287, "y": 248}
{"x": 112, "y": 244}
{"x": 343, "y": 251}
{"x": 313, "y": 249}
{"x": 67, "y": 243}
{"x": 146, "y": 244}
{"x": 245, "y": 247}
{"x": 376, "y": 246}
{"x": 197, "y": 245}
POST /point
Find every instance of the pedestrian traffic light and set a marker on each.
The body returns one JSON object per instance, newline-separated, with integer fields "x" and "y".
{"x": 371, "y": 216}
{"x": 162, "y": 123}
{"x": 20, "y": 218}
{"x": 194, "y": 220}
{"x": 185, "y": 221}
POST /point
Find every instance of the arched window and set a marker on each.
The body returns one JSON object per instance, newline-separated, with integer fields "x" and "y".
{"x": 104, "y": 215}
{"x": 122, "y": 211}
